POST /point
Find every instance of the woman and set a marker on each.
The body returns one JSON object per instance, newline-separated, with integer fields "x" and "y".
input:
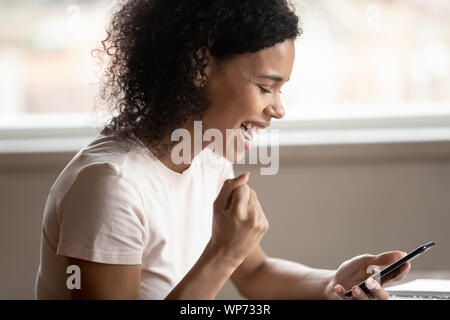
{"x": 138, "y": 224}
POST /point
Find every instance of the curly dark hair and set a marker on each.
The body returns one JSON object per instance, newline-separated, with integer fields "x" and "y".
{"x": 152, "y": 47}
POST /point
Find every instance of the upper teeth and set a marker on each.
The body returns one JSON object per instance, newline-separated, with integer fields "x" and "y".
{"x": 255, "y": 128}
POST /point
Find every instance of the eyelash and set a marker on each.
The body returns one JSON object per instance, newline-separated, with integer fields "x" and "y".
{"x": 265, "y": 91}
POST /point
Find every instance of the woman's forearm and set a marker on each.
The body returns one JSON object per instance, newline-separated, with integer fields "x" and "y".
{"x": 283, "y": 279}
{"x": 205, "y": 279}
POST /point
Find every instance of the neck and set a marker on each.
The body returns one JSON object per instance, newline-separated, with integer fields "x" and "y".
{"x": 166, "y": 159}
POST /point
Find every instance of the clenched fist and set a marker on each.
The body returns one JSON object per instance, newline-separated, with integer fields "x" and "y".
{"x": 239, "y": 222}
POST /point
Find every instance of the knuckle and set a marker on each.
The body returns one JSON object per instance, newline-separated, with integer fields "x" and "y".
{"x": 262, "y": 225}
{"x": 240, "y": 191}
{"x": 250, "y": 219}
{"x": 241, "y": 214}
{"x": 251, "y": 211}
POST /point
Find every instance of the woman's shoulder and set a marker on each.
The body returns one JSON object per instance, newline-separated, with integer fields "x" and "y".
{"x": 103, "y": 158}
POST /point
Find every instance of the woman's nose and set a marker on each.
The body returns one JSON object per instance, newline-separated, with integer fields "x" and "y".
{"x": 275, "y": 111}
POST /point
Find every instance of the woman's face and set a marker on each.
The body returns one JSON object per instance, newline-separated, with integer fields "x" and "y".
{"x": 245, "y": 94}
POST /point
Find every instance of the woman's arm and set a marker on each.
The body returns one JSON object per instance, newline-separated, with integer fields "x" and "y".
{"x": 206, "y": 277}
{"x": 101, "y": 281}
{"x": 108, "y": 281}
{"x": 263, "y": 277}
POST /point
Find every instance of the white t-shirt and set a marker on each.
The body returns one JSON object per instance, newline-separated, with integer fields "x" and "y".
{"x": 116, "y": 206}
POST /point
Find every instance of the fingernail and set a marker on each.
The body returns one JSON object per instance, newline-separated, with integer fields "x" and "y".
{"x": 356, "y": 290}
{"x": 244, "y": 175}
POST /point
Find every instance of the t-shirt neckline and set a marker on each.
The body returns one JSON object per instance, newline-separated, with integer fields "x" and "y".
{"x": 173, "y": 174}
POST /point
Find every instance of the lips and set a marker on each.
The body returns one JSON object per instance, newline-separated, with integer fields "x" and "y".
{"x": 254, "y": 126}
{"x": 247, "y": 130}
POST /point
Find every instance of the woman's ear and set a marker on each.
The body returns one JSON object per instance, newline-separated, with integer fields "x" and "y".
{"x": 204, "y": 59}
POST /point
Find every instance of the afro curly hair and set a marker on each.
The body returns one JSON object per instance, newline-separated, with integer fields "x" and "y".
{"x": 152, "y": 49}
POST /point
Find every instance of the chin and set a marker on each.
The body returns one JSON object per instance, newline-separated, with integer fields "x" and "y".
{"x": 234, "y": 146}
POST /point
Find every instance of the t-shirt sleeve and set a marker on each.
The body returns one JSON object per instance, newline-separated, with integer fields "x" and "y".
{"x": 102, "y": 218}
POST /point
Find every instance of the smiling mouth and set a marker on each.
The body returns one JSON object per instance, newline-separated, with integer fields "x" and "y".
{"x": 249, "y": 128}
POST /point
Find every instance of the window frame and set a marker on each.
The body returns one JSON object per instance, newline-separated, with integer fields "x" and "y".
{"x": 74, "y": 132}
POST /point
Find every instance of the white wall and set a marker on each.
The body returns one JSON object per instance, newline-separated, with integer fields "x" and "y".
{"x": 326, "y": 204}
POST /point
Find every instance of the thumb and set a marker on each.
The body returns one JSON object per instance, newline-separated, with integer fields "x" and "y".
{"x": 224, "y": 197}
{"x": 239, "y": 197}
{"x": 242, "y": 176}
{"x": 387, "y": 258}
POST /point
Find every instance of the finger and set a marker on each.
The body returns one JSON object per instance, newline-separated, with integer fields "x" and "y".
{"x": 253, "y": 203}
{"x": 387, "y": 258}
{"x": 223, "y": 200}
{"x": 400, "y": 274}
{"x": 340, "y": 292}
{"x": 376, "y": 290}
{"x": 252, "y": 198}
{"x": 262, "y": 220}
{"x": 255, "y": 207}
{"x": 359, "y": 294}
{"x": 239, "y": 199}
{"x": 403, "y": 272}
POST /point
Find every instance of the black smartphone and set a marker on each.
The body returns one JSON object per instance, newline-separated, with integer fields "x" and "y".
{"x": 379, "y": 275}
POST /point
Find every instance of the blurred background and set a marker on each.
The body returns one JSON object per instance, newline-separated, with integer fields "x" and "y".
{"x": 365, "y": 144}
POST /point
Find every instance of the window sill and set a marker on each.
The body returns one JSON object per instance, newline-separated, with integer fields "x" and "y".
{"x": 72, "y": 140}
{"x": 296, "y": 148}
{"x": 58, "y": 133}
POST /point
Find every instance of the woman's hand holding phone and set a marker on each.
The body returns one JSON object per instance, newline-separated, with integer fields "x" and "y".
{"x": 358, "y": 269}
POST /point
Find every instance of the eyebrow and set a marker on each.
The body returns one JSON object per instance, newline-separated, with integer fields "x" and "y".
{"x": 273, "y": 77}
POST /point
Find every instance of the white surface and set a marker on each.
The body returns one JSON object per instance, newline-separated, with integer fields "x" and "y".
{"x": 421, "y": 287}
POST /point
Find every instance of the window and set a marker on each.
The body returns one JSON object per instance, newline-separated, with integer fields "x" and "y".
{"x": 360, "y": 58}
{"x": 45, "y": 58}
{"x": 356, "y": 59}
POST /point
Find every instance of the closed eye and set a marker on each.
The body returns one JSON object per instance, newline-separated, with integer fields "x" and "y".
{"x": 265, "y": 91}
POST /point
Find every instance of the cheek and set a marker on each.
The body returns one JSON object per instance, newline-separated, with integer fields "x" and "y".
{"x": 252, "y": 102}
{"x": 246, "y": 106}
{"x": 233, "y": 105}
